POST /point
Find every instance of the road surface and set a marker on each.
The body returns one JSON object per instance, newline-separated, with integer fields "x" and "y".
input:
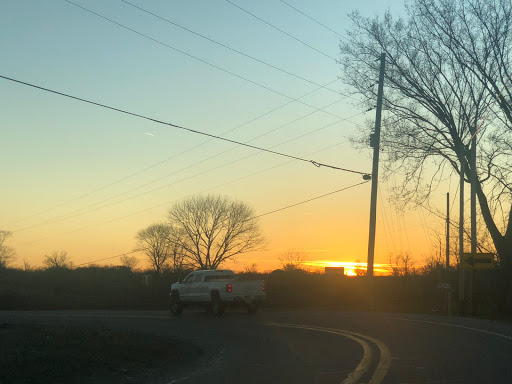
{"x": 314, "y": 346}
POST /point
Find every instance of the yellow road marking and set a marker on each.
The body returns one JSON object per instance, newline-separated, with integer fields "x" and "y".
{"x": 385, "y": 355}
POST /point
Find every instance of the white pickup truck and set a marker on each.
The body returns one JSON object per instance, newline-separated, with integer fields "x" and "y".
{"x": 216, "y": 290}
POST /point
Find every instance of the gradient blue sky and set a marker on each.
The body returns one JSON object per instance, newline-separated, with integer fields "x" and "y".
{"x": 55, "y": 150}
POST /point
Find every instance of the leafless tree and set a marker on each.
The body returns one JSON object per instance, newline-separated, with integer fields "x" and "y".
{"x": 7, "y": 254}
{"x": 438, "y": 237}
{"x": 57, "y": 260}
{"x": 129, "y": 262}
{"x": 253, "y": 268}
{"x": 26, "y": 266}
{"x": 292, "y": 260}
{"x": 401, "y": 264}
{"x": 446, "y": 64}
{"x": 213, "y": 229}
{"x": 156, "y": 243}
{"x": 433, "y": 263}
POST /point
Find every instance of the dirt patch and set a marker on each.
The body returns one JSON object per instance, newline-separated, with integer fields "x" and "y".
{"x": 43, "y": 354}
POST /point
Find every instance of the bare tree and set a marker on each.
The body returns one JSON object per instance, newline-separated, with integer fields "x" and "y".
{"x": 253, "y": 268}
{"x": 433, "y": 263}
{"x": 446, "y": 64}
{"x": 292, "y": 260}
{"x": 401, "y": 264}
{"x": 438, "y": 237}
{"x": 177, "y": 262}
{"x": 213, "y": 229}
{"x": 57, "y": 260}
{"x": 129, "y": 262}
{"x": 26, "y": 266}
{"x": 155, "y": 242}
{"x": 7, "y": 254}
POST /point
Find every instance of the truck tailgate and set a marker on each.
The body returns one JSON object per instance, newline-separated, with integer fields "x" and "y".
{"x": 248, "y": 288}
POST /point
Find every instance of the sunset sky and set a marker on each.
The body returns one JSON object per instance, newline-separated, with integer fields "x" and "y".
{"x": 84, "y": 179}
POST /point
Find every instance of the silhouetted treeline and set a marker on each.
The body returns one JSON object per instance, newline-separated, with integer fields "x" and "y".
{"x": 121, "y": 288}
{"x": 84, "y": 288}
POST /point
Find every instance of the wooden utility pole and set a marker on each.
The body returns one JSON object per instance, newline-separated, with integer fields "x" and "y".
{"x": 462, "y": 304}
{"x": 472, "y": 169}
{"x": 448, "y": 231}
{"x": 375, "y": 143}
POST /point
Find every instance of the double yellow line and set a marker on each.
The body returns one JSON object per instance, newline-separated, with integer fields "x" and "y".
{"x": 365, "y": 363}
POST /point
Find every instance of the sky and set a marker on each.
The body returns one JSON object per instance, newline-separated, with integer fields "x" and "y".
{"x": 84, "y": 179}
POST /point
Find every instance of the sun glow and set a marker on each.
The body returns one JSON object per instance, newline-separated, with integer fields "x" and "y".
{"x": 351, "y": 268}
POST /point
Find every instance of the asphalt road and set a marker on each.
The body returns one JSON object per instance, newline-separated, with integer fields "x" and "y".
{"x": 314, "y": 346}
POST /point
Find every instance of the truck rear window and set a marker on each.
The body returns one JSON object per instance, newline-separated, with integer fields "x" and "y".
{"x": 219, "y": 278}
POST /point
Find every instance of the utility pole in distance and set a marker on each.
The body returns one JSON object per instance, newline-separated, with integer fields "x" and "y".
{"x": 473, "y": 179}
{"x": 462, "y": 301}
{"x": 375, "y": 143}
{"x": 447, "y": 232}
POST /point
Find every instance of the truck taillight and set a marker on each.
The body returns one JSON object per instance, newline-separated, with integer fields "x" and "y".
{"x": 229, "y": 288}
{"x": 263, "y": 286}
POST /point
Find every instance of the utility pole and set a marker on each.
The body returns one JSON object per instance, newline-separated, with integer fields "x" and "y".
{"x": 447, "y": 232}
{"x": 375, "y": 143}
{"x": 473, "y": 218}
{"x": 462, "y": 304}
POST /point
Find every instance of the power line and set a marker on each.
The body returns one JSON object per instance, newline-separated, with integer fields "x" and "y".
{"x": 226, "y": 46}
{"x": 314, "y": 198}
{"x": 79, "y": 213}
{"x": 169, "y": 158}
{"x": 172, "y": 201}
{"x": 455, "y": 197}
{"x": 280, "y": 30}
{"x": 107, "y": 258}
{"x": 311, "y": 18}
{"x": 315, "y": 163}
{"x": 196, "y": 58}
{"x": 253, "y": 218}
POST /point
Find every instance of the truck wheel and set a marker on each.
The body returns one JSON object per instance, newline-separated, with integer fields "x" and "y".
{"x": 252, "y": 308}
{"x": 176, "y": 305}
{"x": 217, "y": 306}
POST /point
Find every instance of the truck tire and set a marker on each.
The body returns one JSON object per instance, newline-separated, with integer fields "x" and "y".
{"x": 252, "y": 308}
{"x": 176, "y": 306}
{"x": 217, "y": 307}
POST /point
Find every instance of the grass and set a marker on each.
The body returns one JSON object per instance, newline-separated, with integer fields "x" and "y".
{"x": 51, "y": 354}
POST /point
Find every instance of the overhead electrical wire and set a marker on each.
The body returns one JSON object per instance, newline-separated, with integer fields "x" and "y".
{"x": 203, "y": 133}
{"x": 197, "y": 58}
{"x": 311, "y": 18}
{"x": 292, "y": 100}
{"x": 226, "y": 46}
{"x": 282, "y": 31}
{"x": 253, "y": 218}
{"x": 169, "y": 158}
{"x": 315, "y": 163}
{"x": 174, "y": 200}
{"x": 79, "y": 211}
{"x": 314, "y": 198}
{"x": 107, "y": 258}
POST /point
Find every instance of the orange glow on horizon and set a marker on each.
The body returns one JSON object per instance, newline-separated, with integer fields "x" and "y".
{"x": 351, "y": 268}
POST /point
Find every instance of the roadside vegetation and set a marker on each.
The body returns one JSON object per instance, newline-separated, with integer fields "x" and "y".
{"x": 115, "y": 287}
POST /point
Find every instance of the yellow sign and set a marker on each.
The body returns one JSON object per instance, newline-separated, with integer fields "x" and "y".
{"x": 478, "y": 261}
